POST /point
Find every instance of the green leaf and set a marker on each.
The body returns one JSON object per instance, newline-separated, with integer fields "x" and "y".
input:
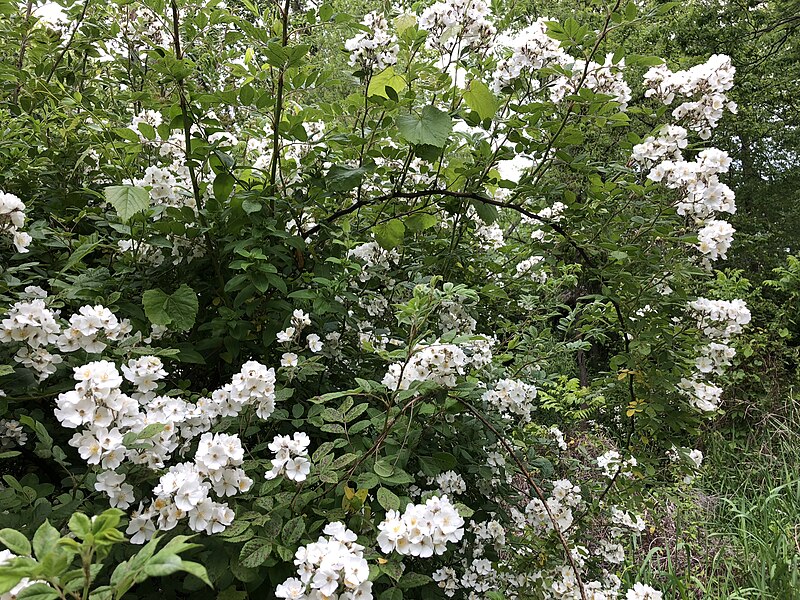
{"x": 383, "y": 467}
{"x": 178, "y": 309}
{"x": 38, "y": 591}
{"x": 342, "y": 178}
{"x": 412, "y": 580}
{"x": 127, "y": 134}
{"x": 127, "y": 200}
{"x": 479, "y": 98}
{"x": 390, "y": 234}
{"x": 420, "y": 222}
{"x": 386, "y": 79}
{"x": 162, "y": 564}
{"x": 6, "y": 370}
{"x": 432, "y": 127}
{"x": 223, "y": 186}
{"x": 292, "y": 531}
{"x": 255, "y": 552}
{"x": 15, "y": 541}
{"x": 45, "y": 539}
{"x": 388, "y": 499}
{"x": 487, "y": 212}
{"x": 80, "y": 525}
{"x": 197, "y": 570}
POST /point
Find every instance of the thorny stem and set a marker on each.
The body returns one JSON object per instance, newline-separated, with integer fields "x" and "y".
{"x": 187, "y": 137}
{"x": 24, "y": 45}
{"x": 276, "y": 118}
{"x": 536, "y": 489}
{"x": 453, "y": 194}
{"x": 69, "y": 41}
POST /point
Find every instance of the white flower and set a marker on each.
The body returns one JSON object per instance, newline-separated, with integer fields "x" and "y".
{"x": 289, "y": 359}
{"x": 314, "y": 343}
{"x": 287, "y": 335}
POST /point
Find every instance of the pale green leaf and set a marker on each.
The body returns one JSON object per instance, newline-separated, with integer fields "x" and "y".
{"x": 127, "y": 200}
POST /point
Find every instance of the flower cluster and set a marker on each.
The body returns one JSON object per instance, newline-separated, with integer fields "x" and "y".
{"x": 564, "y": 497}
{"x": 146, "y": 429}
{"x": 612, "y": 463}
{"x": 512, "y": 398}
{"x": 668, "y": 145}
{"x": 450, "y": 482}
{"x": 332, "y": 567}
{"x": 531, "y": 50}
{"x": 719, "y": 320}
{"x": 601, "y": 79}
{"x": 12, "y": 219}
{"x": 183, "y": 491}
{"x": 422, "y": 529}
{"x": 291, "y": 457}
{"x": 32, "y": 323}
{"x": 88, "y": 327}
{"x": 376, "y": 259}
{"x": 439, "y": 363}
{"x": 11, "y": 434}
{"x": 455, "y": 25}
{"x": 709, "y": 81}
{"x": 714, "y": 239}
{"x": 640, "y": 591}
{"x": 373, "y": 50}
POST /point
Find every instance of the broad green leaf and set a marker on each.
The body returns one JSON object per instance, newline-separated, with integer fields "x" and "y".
{"x": 127, "y": 200}
{"x": 412, "y": 580}
{"x": 386, "y": 78}
{"x": 432, "y": 127}
{"x": 80, "y": 525}
{"x": 223, "y": 186}
{"x": 383, "y": 467}
{"x": 178, "y": 309}
{"x": 197, "y": 570}
{"x": 479, "y": 98}
{"x": 420, "y": 222}
{"x": 487, "y": 212}
{"x": 45, "y": 539}
{"x": 390, "y": 234}
{"x": 292, "y": 531}
{"x": 403, "y": 22}
{"x": 255, "y": 552}
{"x": 162, "y": 564}
{"x": 342, "y": 178}
{"x": 37, "y": 591}
{"x": 15, "y": 541}
{"x": 388, "y": 499}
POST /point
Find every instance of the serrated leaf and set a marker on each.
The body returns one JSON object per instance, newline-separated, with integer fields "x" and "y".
{"x": 292, "y": 531}
{"x": 45, "y": 540}
{"x": 412, "y": 580}
{"x": 386, "y": 78}
{"x": 127, "y": 200}
{"x": 15, "y": 541}
{"x": 178, "y": 309}
{"x": 255, "y": 552}
{"x": 390, "y": 234}
{"x": 479, "y": 98}
{"x": 223, "y": 186}
{"x": 432, "y": 127}
{"x": 37, "y": 591}
{"x": 420, "y": 222}
{"x": 388, "y": 499}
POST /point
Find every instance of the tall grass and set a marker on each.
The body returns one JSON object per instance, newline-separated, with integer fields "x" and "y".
{"x": 738, "y": 535}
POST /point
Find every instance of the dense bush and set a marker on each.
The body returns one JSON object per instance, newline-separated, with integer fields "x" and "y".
{"x": 332, "y": 314}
